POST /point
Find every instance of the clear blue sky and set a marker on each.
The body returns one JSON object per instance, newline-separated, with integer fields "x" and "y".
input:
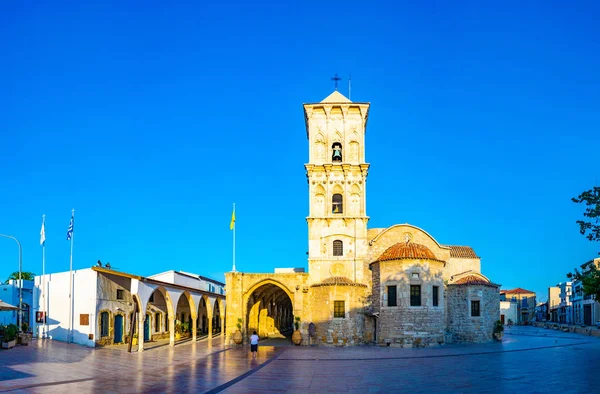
{"x": 151, "y": 120}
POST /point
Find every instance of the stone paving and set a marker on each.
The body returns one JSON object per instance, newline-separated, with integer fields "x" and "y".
{"x": 529, "y": 360}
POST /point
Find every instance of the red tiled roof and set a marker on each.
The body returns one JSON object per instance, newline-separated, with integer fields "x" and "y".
{"x": 465, "y": 252}
{"x": 518, "y": 290}
{"x": 338, "y": 280}
{"x": 473, "y": 280}
{"x": 407, "y": 250}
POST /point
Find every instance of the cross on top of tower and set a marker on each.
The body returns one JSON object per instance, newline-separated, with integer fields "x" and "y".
{"x": 336, "y": 78}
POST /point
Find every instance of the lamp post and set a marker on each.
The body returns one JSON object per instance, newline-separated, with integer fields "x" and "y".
{"x": 20, "y": 313}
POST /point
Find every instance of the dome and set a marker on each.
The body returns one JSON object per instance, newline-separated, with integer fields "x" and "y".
{"x": 473, "y": 280}
{"x": 339, "y": 281}
{"x": 407, "y": 250}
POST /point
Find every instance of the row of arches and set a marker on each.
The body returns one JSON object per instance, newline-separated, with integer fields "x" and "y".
{"x": 158, "y": 318}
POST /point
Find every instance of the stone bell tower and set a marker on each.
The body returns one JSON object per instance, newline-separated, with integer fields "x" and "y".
{"x": 337, "y": 174}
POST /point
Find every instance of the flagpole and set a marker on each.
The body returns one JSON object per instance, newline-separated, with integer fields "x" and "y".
{"x": 233, "y": 270}
{"x": 45, "y": 310}
{"x": 70, "y": 336}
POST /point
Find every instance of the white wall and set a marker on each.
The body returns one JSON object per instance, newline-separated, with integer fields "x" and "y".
{"x": 509, "y": 310}
{"x": 84, "y": 302}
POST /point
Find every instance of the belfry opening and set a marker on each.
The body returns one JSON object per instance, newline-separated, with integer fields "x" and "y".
{"x": 269, "y": 312}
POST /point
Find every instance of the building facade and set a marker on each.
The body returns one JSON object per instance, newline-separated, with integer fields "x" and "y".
{"x": 525, "y": 302}
{"x": 586, "y": 309}
{"x": 9, "y": 293}
{"x": 565, "y": 314}
{"x": 395, "y": 286}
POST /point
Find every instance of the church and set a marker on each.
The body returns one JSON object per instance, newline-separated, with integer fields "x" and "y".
{"x": 394, "y": 286}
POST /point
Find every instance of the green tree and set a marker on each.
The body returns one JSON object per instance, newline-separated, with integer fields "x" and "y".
{"x": 591, "y": 228}
{"x": 25, "y": 275}
{"x": 590, "y": 275}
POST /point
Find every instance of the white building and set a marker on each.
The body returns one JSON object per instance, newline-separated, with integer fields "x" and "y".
{"x": 508, "y": 311}
{"x": 586, "y": 310}
{"x": 108, "y": 307}
{"x": 9, "y": 293}
{"x": 565, "y": 314}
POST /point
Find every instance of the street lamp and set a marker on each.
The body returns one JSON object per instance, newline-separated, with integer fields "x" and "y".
{"x": 20, "y": 313}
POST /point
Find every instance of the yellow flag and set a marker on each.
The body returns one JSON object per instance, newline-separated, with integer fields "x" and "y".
{"x": 232, "y": 224}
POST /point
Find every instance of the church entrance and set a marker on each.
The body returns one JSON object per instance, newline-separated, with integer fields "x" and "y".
{"x": 270, "y": 314}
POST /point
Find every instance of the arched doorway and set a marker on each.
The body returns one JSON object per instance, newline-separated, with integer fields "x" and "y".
{"x": 269, "y": 311}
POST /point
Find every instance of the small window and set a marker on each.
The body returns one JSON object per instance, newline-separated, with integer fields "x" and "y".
{"x": 182, "y": 317}
{"x": 119, "y": 294}
{"x": 337, "y": 204}
{"x": 392, "y": 299}
{"x": 151, "y": 298}
{"x": 338, "y": 309}
{"x": 436, "y": 296}
{"x": 338, "y": 248}
{"x": 104, "y": 324}
{"x": 157, "y": 322}
{"x": 475, "y": 309}
{"x": 415, "y": 295}
{"x": 84, "y": 319}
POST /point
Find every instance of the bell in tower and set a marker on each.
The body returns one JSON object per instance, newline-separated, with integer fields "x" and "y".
{"x": 337, "y": 152}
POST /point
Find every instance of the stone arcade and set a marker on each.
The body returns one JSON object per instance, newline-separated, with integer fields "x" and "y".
{"x": 394, "y": 286}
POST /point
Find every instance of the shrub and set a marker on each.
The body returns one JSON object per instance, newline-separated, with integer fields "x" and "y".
{"x": 498, "y": 327}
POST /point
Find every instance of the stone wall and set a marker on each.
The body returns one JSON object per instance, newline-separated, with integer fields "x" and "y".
{"x": 332, "y": 331}
{"x": 461, "y": 326}
{"x": 404, "y": 325}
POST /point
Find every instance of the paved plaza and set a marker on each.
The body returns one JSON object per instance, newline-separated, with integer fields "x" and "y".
{"x": 528, "y": 360}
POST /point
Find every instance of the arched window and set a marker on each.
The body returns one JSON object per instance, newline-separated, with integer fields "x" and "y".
{"x": 338, "y": 248}
{"x": 336, "y": 204}
{"x": 157, "y": 322}
{"x": 337, "y": 152}
{"x": 104, "y": 324}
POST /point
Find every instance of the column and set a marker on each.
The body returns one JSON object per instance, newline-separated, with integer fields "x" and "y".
{"x": 194, "y": 326}
{"x": 171, "y": 330}
{"x": 141, "y": 317}
{"x": 210, "y": 328}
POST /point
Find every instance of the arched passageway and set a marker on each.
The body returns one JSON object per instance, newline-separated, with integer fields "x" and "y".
{"x": 216, "y": 318}
{"x": 269, "y": 312}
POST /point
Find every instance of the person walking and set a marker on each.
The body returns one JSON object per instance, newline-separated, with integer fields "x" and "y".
{"x": 254, "y": 344}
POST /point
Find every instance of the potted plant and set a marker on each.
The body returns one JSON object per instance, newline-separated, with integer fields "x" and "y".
{"x": 10, "y": 336}
{"x": 498, "y": 330}
{"x": 297, "y": 335}
{"x": 237, "y": 335}
{"x": 25, "y": 336}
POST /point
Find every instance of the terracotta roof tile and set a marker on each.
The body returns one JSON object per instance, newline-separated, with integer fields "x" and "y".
{"x": 465, "y": 252}
{"x": 518, "y": 290}
{"x": 407, "y": 250}
{"x": 339, "y": 281}
{"x": 473, "y": 280}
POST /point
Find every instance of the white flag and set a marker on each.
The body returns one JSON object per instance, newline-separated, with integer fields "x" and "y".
{"x": 42, "y": 235}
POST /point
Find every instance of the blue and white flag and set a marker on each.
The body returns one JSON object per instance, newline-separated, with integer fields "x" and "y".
{"x": 70, "y": 230}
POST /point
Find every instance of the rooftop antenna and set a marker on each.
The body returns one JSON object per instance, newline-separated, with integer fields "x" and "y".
{"x": 336, "y": 78}
{"x": 350, "y": 87}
